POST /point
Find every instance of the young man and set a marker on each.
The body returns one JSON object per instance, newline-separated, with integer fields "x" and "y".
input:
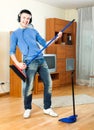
{"x": 26, "y": 39}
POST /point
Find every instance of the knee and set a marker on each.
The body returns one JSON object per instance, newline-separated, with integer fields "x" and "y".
{"x": 50, "y": 87}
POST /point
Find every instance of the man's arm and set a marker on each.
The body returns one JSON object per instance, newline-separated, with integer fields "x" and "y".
{"x": 21, "y": 65}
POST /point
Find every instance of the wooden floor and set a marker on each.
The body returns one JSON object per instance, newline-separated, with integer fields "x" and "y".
{"x": 11, "y": 113}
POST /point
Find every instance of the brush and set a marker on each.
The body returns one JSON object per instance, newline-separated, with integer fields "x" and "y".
{"x": 18, "y": 71}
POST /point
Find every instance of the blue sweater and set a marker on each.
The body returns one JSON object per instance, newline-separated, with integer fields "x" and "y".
{"x": 27, "y": 41}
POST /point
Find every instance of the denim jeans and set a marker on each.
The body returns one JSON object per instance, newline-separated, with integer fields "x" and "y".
{"x": 40, "y": 66}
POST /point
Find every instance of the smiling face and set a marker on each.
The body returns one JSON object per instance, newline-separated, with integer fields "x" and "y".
{"x": 25, "y": 19}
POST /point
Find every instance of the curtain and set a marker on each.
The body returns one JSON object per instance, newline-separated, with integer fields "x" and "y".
{"x": 85, "y": 46}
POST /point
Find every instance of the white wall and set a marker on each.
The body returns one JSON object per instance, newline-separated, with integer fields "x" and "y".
{"x": 4, "y": 61}
{"x": 71, "y": 14}
{"x": 8, "y": 22}
{"x": 10, "y": 9}
{"x": 8, "y": 14}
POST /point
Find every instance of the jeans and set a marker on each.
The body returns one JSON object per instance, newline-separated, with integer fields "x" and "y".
{"x": 40, "y": 66}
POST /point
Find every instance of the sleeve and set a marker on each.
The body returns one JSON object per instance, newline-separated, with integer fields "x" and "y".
{"x": 13, "y": 43}
{"x": 40, "y": 40}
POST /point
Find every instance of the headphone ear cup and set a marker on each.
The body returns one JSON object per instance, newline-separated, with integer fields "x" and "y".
{"x": 30, "y": 20}
{"x": 18, "y": 18}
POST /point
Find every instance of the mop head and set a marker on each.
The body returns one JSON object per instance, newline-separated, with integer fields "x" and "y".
{"x": 19, "y": 72}
{"x": 70, "y": 119}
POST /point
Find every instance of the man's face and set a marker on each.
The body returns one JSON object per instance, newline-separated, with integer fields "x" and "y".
{"x": 25, "y": 19}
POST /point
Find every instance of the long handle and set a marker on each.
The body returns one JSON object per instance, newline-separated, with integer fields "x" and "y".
{"x": 52, "y": 40}
{"x": 72, "y": 74}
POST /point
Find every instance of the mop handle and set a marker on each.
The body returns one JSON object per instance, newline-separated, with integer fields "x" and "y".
{"x": 52, "y": 40}
{"x": 72, "y": 74}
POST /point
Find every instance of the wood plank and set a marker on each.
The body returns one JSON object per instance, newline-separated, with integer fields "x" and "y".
{"x": 11, "y": 113}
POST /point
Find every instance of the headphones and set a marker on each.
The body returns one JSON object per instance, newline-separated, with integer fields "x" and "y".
{"x": 24, "y": 11}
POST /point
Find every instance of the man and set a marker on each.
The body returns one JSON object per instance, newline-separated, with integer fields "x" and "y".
{"x": 26, "y": 39}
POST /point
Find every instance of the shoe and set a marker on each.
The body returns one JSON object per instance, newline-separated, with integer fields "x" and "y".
{"x": 27, "y": 113}
{"x": 50, "y": 112}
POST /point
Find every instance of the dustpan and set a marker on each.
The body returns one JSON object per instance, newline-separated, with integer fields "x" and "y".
{"x": 72, "y": 118}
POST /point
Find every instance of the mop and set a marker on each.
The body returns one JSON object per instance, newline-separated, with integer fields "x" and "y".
{"x": 72, "y": 118}
{"x": 20, "y": 72}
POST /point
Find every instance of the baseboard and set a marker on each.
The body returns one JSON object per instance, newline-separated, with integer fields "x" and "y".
{"x": 4, "y": 94}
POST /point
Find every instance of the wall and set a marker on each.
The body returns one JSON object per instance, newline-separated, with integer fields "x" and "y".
{"x": 71, "y": 14}
{"x": 8, "y": 15}
{"x": 4, "y": 61}
{"x": 40, "y": 11}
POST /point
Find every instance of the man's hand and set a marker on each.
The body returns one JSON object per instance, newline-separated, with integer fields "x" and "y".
{"x": 21, "y": 65}
{"x": 59, "y": 35}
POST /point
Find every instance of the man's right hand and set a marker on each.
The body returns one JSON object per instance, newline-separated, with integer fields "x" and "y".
{"x": 21, "y": 65}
